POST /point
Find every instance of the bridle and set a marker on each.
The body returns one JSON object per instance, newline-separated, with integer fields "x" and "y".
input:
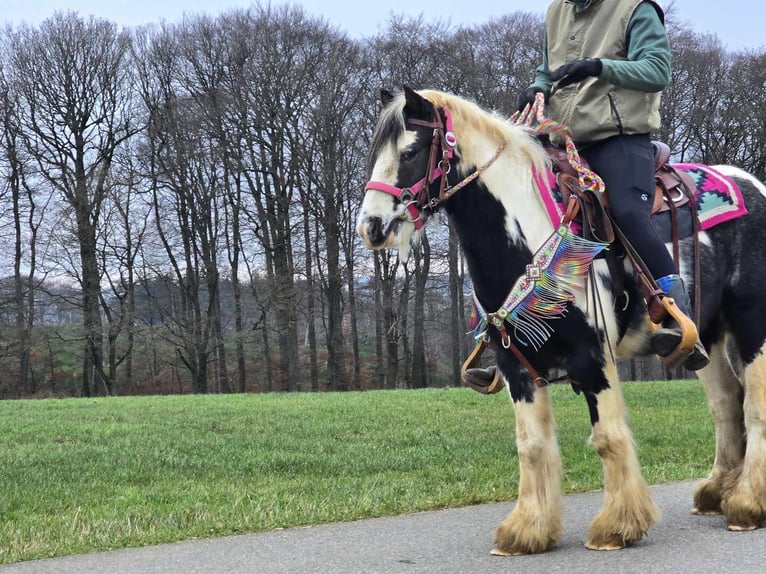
{"x": 416, "y": 198}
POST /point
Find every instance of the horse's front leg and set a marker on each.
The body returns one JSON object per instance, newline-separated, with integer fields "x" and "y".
{"x": 534, "y": 525}
{"x": 628, "y": 510}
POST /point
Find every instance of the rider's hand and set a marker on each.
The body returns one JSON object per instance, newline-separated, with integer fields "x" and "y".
{"x": 527, "y": 97}
{"x": 576, "y": 71}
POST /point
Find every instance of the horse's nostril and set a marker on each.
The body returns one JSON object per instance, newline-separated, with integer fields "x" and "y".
{"x": 375, "y": 230}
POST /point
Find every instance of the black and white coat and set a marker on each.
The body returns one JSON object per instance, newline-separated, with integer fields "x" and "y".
{"x": 500, "y": 221}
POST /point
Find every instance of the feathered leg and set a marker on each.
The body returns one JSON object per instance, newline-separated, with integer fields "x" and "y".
{"x": 628, "y": 510}
{"x": 534, "y": 525}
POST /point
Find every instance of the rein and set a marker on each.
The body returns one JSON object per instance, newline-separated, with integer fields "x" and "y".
{"x": 417, "y": 197}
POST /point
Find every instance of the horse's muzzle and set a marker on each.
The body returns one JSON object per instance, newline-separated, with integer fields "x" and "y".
{"x": 375, "y": 234}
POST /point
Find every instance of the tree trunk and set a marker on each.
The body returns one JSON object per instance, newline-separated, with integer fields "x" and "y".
{"x": 333, "y": 293}
{"x": 390, "y": 325}
{"x": 94, "y": 376}
{"x": 22, "y": 331}
{"x": 403, "y": 333}
{"x": 455, "y": 295}
{"x": 380, "y": 329}
{"x": 353, "y": 317}
{"x": 419, "y": 362}
{"x": 310, "y": 300}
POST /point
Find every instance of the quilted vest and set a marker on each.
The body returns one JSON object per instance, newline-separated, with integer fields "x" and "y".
{"x": 593, "y": 109}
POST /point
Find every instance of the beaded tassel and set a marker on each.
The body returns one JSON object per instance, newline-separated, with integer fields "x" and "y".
{"x": 477, "y": 320}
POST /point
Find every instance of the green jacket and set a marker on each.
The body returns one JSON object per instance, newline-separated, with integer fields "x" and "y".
{"x": 629, "y": 37}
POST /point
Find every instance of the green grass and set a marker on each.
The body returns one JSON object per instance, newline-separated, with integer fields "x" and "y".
{"x": 82, "y": 475}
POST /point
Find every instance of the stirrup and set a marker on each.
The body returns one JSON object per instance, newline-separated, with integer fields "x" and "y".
{"x": 494, "y": 386}
{"x": 689, "y": 336}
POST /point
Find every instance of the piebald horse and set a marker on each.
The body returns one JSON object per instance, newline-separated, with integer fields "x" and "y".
{"x": 481, "y": 170}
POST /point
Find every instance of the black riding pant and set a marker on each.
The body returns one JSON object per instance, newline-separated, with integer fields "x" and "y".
{"x": 626, "y": 164}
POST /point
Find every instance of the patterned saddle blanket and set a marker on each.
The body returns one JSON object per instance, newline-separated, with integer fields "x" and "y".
{"x": 717, "y": 198}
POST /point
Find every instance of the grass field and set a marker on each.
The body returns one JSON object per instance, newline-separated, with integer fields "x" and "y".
{"x": 81, "y": 475}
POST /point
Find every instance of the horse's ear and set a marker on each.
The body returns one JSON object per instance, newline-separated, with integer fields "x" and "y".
{"x": 416, "y": 103}
{"x": 385, "y": 97}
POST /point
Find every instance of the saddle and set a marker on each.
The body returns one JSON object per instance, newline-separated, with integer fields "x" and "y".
{"x": 673, "y": 190}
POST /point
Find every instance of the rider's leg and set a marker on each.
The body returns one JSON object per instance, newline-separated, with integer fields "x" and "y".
{"x": 626, "y": 164}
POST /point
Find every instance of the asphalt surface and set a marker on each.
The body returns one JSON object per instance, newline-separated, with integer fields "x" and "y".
{"x": 446, "y": 541}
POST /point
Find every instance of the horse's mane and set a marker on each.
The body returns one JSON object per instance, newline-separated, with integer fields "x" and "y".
{"x": 389, "y": 127}
{"x": 468, "y": 119}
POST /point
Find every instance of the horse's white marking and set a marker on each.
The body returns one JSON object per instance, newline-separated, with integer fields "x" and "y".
{"x": 387, "y": 163}
{"x": 627, "y": 512}
{"x": 382, "y": 205}
{"x": 731, "y": 171}
{"x": 513, "y": 187}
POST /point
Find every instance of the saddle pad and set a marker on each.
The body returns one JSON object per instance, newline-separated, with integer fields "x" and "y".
{"x": 718, "y": 197}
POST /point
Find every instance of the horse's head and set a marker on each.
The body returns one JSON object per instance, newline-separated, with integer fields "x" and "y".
{"x": 408, "y": 164}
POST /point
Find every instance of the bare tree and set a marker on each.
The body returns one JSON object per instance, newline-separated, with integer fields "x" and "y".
{"x": 184, "y": 178}
{"x": 125, "y": 223}
{"x": 73, "y": 79}
{"x": 333, "y": 168}
{"x": 23, "y": 292}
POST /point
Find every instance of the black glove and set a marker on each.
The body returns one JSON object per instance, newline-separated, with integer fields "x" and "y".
{"x": 527, "y": 97}
{"x": 576, "y": 71}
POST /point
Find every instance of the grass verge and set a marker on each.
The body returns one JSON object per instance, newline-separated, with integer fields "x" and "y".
{"x": 84, "y": 475}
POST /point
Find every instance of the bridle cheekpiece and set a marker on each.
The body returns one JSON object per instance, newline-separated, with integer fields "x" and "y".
{"x": 417, "y": 197}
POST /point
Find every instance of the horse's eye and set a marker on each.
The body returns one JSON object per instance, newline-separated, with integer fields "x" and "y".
{"x": 408, "y": 154}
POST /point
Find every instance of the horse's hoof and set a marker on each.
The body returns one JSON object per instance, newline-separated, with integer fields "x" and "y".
{"x": 741, "y": 527}
{"x": 604, "y": 546}
{"x": 707, "y": 497}
{"x": 744, "y": 511}
{"x": 500, "y": 552}
{"x": 697, "y": 512}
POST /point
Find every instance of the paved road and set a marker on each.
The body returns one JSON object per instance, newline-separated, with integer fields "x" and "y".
{"x": 447, "y": 541}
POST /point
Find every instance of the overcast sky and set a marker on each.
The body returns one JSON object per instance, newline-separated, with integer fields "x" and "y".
{"x": 739, "y": 23}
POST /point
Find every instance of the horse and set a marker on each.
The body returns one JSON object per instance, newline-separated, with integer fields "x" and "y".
{"x": 481, "y": 170}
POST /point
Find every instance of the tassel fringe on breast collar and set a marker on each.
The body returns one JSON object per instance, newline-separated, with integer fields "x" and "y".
{"x": 557, "y": 271}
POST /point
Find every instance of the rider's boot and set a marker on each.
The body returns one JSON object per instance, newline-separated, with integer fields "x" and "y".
{"x": 665, "y": 340}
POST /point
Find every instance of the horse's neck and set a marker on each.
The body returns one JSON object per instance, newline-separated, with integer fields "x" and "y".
{"x": 511, "y": 180}
{"x": 500, "y": 221}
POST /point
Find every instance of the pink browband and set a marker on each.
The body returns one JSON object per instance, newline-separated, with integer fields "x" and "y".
{"x": 415, "y": 197}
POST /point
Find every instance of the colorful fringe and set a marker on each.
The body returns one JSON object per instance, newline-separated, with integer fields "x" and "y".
{"x": 557, "y": 270}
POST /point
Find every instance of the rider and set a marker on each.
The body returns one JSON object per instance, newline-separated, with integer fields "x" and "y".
{"x": 609, "y": 60}
{"x": 604, "y": 65}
